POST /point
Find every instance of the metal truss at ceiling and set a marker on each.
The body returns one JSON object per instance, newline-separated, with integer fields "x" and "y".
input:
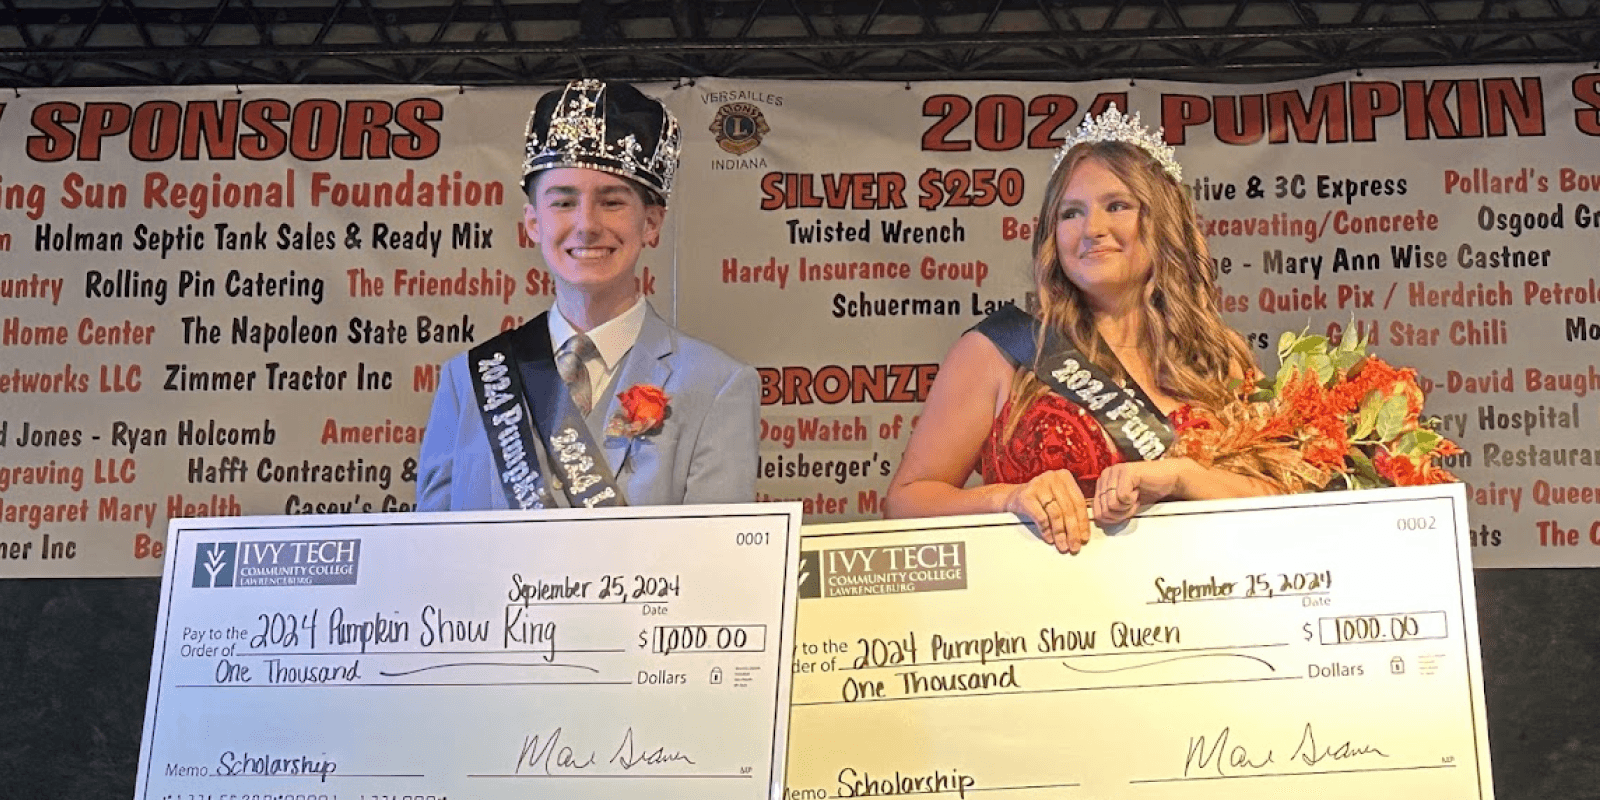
{"x": 499, "y": 42}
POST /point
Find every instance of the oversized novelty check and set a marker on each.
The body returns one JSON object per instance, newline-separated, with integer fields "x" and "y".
{"x": 1314, "y": 646}
{"x": 598, "y": 654}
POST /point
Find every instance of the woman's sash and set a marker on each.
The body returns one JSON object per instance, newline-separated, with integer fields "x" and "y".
{"x": 1138, "y": 429}
{"x": 526, "y": 407}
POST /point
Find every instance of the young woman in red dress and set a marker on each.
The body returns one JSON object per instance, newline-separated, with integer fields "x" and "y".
{"x": 1124, "y": 277}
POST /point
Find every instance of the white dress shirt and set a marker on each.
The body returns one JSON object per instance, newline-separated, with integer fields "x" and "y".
{"x": 612, "y": 340}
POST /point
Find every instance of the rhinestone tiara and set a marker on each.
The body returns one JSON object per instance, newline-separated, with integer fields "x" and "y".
{"x": 1114, "y": 126}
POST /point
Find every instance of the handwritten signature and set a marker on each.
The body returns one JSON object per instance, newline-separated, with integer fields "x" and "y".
{"x": 1307, "y": 750}
{"x": 628, "y": 757}
{"x": 547, "y": 755}
{"x": 1225, "y": 758}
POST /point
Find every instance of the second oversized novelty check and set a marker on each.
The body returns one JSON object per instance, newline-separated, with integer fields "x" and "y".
{"x": 597, "y": 654}
{"x": 1314, "y": 646}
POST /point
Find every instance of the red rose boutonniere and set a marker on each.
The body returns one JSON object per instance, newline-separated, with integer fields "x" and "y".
{"x": 644, "y": 408}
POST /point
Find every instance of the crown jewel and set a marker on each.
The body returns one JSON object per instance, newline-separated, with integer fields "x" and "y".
{"x": 1114, "y": 126}
{"x": 608, "y": 127}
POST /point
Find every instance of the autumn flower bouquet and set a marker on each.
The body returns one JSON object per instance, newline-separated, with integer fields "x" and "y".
{"x": 1333, "y": 417}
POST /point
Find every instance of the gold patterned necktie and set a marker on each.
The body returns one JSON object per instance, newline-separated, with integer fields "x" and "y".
{"x": 570, "y": 363}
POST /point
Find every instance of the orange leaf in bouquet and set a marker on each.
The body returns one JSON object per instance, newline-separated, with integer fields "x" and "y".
{"x": 1332, "y": 412}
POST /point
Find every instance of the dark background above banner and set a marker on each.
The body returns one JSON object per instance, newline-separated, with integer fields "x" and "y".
{"x": 147, "y": 43}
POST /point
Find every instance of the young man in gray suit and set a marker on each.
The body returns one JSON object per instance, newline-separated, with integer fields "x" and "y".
{"x": 599, "y": 401}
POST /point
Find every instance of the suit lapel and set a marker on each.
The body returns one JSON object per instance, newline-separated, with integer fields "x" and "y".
{"x": 648, "y": 362}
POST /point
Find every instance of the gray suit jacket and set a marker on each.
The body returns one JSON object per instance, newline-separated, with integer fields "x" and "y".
{"x": 705, "y": 451}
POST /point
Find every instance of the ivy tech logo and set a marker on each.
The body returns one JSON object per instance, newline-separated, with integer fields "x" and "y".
{"x": 214, "y": 564}
{"x": 810, "y": 580}
{"x": 898, "y": 569}
{"x": 327, "y": 562}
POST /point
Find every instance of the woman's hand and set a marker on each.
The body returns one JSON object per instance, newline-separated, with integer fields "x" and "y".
{"x": 1056, "y": 506}
{"x": 1124, "y": 489}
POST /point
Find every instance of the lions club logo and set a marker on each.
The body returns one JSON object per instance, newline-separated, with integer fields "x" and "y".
{"x": 739, "y": 127}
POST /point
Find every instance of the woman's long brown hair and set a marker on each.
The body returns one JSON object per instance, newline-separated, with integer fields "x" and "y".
{"x": 1194, "y": 354}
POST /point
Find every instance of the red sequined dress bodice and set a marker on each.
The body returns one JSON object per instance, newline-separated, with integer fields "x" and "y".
{"x": 1052, "y": 434}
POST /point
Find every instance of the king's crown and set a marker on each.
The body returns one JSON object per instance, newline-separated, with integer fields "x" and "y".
{"x": 1114, "y": 126}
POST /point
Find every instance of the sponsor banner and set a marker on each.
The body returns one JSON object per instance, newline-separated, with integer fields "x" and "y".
{"x": 236, "y": 302}
{"x": 1443, "y": 212}
{"x": 219, "y": 303}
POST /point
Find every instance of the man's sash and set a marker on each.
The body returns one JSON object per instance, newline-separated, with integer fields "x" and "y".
{"x": 527, "y": 407}
{"x": 1138, "y": 429}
